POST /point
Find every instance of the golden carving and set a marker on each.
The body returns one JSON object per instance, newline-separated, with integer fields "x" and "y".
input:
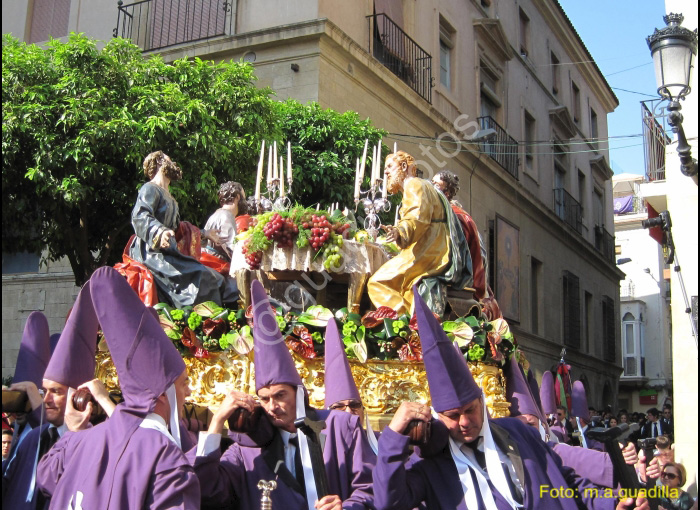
{"x": 383, "y": 385}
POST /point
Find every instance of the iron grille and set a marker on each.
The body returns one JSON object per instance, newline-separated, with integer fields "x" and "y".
{"x": 502, "y": 148}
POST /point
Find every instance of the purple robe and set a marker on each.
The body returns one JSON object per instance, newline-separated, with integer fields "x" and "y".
{"x": 148, "y": 471}
{"x": 434, "y": 480}
{"x": 18, "y": 477}
{"x": 348, "y": 458}
{"x": 591, "y": 464}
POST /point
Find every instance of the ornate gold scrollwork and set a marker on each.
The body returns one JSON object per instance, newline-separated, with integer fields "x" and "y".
{"x": 383, "y": 385}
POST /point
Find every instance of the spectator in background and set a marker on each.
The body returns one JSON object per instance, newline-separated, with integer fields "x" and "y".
{"x": 612, "y": 422}
{"x": 622, "y": 417}
{"x": 673, "y": 476}
{"x": 6, "y": 442}
{"x": 654, "y": 427}
{"x": 667, "y": 419}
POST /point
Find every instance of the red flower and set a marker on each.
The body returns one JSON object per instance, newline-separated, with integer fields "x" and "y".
{"x": 300, "y": 341}
{"x": 375, "y": 318}
{"x": 413, "y": 324}
{"x": 214, "y": 328}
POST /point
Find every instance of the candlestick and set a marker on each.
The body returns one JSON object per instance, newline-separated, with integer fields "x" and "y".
{"x": 269, "y": 166}
{"x": 289, "y": 165}
{"x": 362, "y": 162}
{"x": 275, "y": 170}
{"x": 260, "y": 168}
{"x": 374, "y": 167}
{"x": 357, "y": 179}
{"x": 282, "y": 178}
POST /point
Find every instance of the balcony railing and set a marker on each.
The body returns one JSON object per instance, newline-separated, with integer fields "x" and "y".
{"x": 156, "y": 24}
{"x": 655, "y": 139}
{"x": 401, "y": 55}
{"x": 568, "y": 209}
{"x": 605, "y": 243}
{"x": 502, "y": 148}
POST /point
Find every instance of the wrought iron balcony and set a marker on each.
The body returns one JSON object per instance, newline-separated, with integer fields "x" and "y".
{"x": 568, "y": 209}
{"x": 502, "y": 148}
{"x": 605, "y": 242}
{"x": 655, "y": 139}
{"x": 156, "y": 24}
{"x": 401, "y": 55}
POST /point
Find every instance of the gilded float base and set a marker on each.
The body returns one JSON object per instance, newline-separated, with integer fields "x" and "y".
{"x": 383, "y": 385}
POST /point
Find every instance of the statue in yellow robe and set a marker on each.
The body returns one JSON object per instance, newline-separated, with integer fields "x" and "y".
{"x": 422, "y": 234}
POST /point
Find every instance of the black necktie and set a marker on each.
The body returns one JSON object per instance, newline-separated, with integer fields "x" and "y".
{"x": 655, "y": 430}
{"x": 298, "y": 466}
{"x": 480, "y": 456}
{"x": 48, "y": 439}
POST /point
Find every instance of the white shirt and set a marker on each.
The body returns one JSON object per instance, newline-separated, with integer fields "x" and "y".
{"x": 289, "y": 451}
{"x": 469, "y": 453}
{"x": 156, "y": 421}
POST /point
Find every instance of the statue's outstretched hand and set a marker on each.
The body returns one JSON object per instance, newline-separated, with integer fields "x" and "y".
{"x": 392, "y": 233}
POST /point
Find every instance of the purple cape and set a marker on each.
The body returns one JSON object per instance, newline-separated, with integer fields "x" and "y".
{"x": 435, "y": 481}
{"x": 16, "y": 480}
{"x": 347, "y": 456}
{"x": 150, "y": 471}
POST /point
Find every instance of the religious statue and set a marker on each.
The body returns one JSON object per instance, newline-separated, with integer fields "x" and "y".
{"x": 173, "y": 260}
{"x": 434, "y": 252}
{"x": 448, "y": 183}
{"x": 217, "y": 255}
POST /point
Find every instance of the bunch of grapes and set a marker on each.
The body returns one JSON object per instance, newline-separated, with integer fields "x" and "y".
{"x": 253, "y": 258}
{"x": 333, "y": 258}
{"x": 342, "y": 229}
{"x": 281, "y": 230}
{"x": 320, "y": 230}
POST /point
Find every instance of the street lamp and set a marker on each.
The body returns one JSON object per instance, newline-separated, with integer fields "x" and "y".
{"x": 673, "y": 49}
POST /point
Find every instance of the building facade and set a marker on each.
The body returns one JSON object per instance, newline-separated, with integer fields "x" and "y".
{"x": 504, "y": 94}
{"x": 645, "y": 299}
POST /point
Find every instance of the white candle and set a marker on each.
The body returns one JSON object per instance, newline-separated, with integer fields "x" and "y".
{"x": 384, "y": 185}
{"x": 374, "y": 167}
{"x": 395, "y": 148}
{"x": 260, "y": 168}
{"x": 282, "y": 178}
{"x": 275, "y": 170}
{"x": 318, "y": 207}
{"x": 289, "y": 165}
{"x": 379, "y": 160}
{"x": 362, "y": 162}
{"x": 269, "y": 166}
{"x": 396, "y": 218}
{"x": 357, "y": 179}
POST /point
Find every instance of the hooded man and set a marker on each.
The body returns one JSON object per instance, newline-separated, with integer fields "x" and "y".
{"x": 134, "y": 459}
{"x": 341, "y": 391}
{"x": 34, "y": 355}
{"x": 283, "y": 455}
{"x": 72, "y": 363}
{"x": 485, "y": 463}
{"x": 549, "y": 407}
{"x": 579, "y": 408}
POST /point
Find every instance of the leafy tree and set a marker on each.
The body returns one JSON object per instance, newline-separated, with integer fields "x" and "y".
{"x": 325, "y": 146}
{"x": 77, "y": 122}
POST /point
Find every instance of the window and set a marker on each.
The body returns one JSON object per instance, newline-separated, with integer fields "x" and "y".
{"x": 609, "y": 351}
{"x": 22, "y": 262}
{"x": 581, "y": 190}
{"x": 632, "y": 346}
{"x": 594, "y": 127}
{"x": 576, "y": 102}
{"x": 598, "y": 207}
{"x": 524, "y": 34}
{"x": 446, "y": 46}
{"x": 554, "y": 62}
{"x": 49, "y": 18}
{"x": 572, "y": 311}
{"x": 587, "y": 316}
{"x": 535, "y": 296}
{"x": 490, "y": 91}
{"x": 530, "y": 137}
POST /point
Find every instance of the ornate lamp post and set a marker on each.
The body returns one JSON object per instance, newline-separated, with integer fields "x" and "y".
{"x": 673, "y": 49}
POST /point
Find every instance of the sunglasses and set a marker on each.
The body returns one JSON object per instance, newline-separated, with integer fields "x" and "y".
{"x": 354, "y": 406}
{"x": 670, "y": 476}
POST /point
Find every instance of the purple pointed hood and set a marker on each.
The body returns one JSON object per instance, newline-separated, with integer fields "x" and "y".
{"x": 73, "y": 360}
{"x": 579, "y": 401}
{"x": 534, "y": 390}
{"x": 339, "y": 382}
{"x": 34, "y": 351}
{"x": 273, "y": 361}
{"x": 549, "y": 403}
{"x": 53, "y": 341}
{"x": 146, "y": 360}
{"x": 518, "y": 391}
{"x": 451, "y": 383}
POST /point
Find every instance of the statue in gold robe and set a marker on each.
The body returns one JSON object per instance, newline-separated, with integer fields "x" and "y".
{"x": 424, "y": 234}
